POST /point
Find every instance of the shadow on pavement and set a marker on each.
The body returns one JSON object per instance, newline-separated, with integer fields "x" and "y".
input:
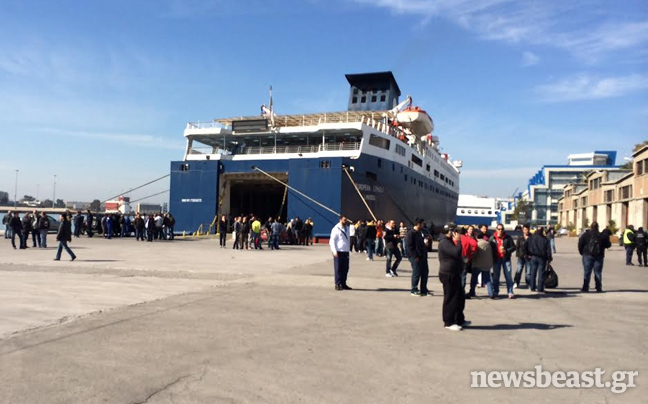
{"x": 549, "y": 294}
{"x": 520, "y": 326}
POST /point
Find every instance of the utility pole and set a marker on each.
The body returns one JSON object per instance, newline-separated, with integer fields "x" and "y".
{"x": 54, "y": 193}
{"x": 16, "y": 190}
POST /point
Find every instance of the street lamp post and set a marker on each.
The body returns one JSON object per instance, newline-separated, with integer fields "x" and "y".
{"x": 54, "y": 193}
{"x": 16, "y": 190}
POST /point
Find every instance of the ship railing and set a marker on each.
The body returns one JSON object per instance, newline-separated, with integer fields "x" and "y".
{"x": 201, "y": 150}
{"x": 341, "y": 146}
{"x": 203, "y": 125}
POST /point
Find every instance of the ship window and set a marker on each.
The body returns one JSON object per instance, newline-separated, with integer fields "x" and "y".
{"x": 401, "y": 170}
{"x": 363, "y": 99}
{"x": 393, "y": 166}
{"x": 416, "y": 160}
{"x": 373, "y": 98}
{"x": 378, "y": 141}
{"x": 490, "y": 212}
{"x": 405, "y": 177}
{"x": 325, "y": 164}
{"x": 463, "y": 211}
{"x": 442, "y": 177}
{"x": 354, "y": 100}
{"x": 400, "y": 150}
{"x": 379, "y": 163}
{"x": 427, "y": 168}
{"x": 383, "y": 98}
{"x": 184, "y": 167}
{"x": 371, "y": 175}
{"x": 436, "y": 173}
{"x": 469, "y": 211}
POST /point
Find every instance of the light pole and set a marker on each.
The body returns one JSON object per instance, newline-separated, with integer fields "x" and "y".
{"x": 37, "y": 190}
{"x": 16, "y": 190}
{"x": 54, "y": 193}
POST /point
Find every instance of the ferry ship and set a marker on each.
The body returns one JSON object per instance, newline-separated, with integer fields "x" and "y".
{"x": 376, "y": 160}
{"x": 476, "y": 210}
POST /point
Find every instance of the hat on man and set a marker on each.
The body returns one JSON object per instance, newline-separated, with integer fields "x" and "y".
{"x": 418, "y": 220}
{"x": 448, "y": 227}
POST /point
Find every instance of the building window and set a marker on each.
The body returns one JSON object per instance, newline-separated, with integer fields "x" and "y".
{"x": 640, "y": 167}
{"x": 625, "y": 192}
{"x": 427, "y": 168}
{"x": 374, "y": 98}
{"x": 363, "y": 99}
{"x": 609, "y": 196}
{"x": 354, "y": 100}
{"x": 383, "y": 98}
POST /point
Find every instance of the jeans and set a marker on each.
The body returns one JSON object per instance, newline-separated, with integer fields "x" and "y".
{"x": 497, "y": 268}
{"x": 7, "y": 231}
{"x": 522, "y": 263}
{"x": 370, "y": 250}
{"x": 393, "y": 252}
{"x": 223, "y": 239}
{"x": 420, "y": 273}
{"x": 170, "y": 231}
{"x": 592, "y": 263}
{"x": 273, "y": 242}
{"x": 63, "y": 245}
{"x": 379, "y": 246}
{"x": 43, "y": 238}
{"x": 257, "y": 241}
{"x": 537, "y": 267}
{"x": 629, "y": 250}
{"x": 403, "y": 248}
{"x": 237, "y": 241}
{"x": 553, "y": 245}
{"x": 35, "y": 238}
{"x": 486, "y": 279}
{"x": 13, "y": 238}
{"x": 353, "y": 244}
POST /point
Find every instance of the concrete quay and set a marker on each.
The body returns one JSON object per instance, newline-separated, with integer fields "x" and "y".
{"x": 188, "y": 322}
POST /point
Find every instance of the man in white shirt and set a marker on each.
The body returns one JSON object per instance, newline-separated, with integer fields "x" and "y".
{"x": 340, "y": 242}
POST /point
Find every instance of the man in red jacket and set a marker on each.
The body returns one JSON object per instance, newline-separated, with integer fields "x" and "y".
{"x": 468, "y": 250}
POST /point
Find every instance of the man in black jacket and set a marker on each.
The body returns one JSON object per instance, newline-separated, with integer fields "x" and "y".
{"x": 592, "y": 245}
{"x": 523, "y": 257}
{"x": 539, "y": 249}
{"x": 89, "y": 224}
{"x": 450, "y": 270}
{"x": 26, "y": 230}
{"x": 16, "y": 230}
{"x": 418, "y": 259}
{"x": 502, "y": 246}
{"x": 64, "y": 236}
{"x": 391, "y": 248}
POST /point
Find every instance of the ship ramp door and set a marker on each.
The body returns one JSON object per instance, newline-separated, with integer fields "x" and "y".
{"x": 253, "y": 193}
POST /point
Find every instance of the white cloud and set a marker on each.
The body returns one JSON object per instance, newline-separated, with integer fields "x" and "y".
{"x": 529, "y": 59}
{"x": 538, "y": 23}
{"x": 586, "y": 87}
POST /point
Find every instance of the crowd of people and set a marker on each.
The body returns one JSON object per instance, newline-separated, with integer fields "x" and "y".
{"x": 249, "y": 233}
{"x": 472, "y": 251}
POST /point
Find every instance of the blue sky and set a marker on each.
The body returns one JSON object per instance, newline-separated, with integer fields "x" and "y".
{"x": 98, "y": 93}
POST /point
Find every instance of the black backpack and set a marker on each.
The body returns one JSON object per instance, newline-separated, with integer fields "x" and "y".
{"x": 594, "y": 245}
{"x": 550, "y": 278}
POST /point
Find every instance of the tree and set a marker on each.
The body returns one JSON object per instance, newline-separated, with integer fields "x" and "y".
{"x": 522, "y": 211}
{"x": 4, "y": 198}
{"x": 613, "y": 227}
{"x": 28, "y": 198}
{"x": 95, "y": 206}
{"x": 47, "y": 203}
{"x": 59, "y": 203}
{"x": 640, "y": 145}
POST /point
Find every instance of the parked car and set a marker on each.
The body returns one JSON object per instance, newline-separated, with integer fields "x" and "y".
{"x": 562, "y": 232}
{"x": 54, "y": 224}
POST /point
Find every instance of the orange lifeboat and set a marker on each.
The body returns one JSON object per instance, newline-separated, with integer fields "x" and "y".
{"x": 416, "y": 120}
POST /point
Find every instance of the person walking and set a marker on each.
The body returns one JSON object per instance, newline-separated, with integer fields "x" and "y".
{"x": 523, "y": 257}
{"x": 16, "y": 230}
{"x": 340, "y": 243}
{"x": 402, "y": 232}
{"x": 468, "y": 251}
{"x": 245, "y": 233}
{"x": 89, "y": 223}
{"x": 222, "y": 231}
{"x": 275, "y": 230}
{"x": 64, "y": 236}
{"x": 640, "y": 243}
{"x": 417, "y": 254}
{"x": 392, "y": 241}
{"x": 6, "y": 219}
{"x": 171, "y": 225}
{"x": 256, "y": 232}
{"x": 628, "y": 243}
{"x": 450, "y": 269}
{"x": 591, "y": 246}
{"x": 237, "y": 233}
{"x": 539, "y": 248}
{"x": 481, "y": 266}
{"x": 43, "y": 229}
{"x": 503, "y": 246}
{"x": 353, "y": 238}
{"x": 379, "y": 243}
{"x": 361, "y": 232}
{"x": 551, "y": 236}
{"x": 138, "y": 223}
{"x": 371, "y": 239}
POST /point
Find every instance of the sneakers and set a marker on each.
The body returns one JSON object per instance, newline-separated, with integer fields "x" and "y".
{"x": 393, "y": 273}
{"x": 388, "y": 274}
{"x": 428, "y": 293}
{"x": 416, "y": 293}
{"x": 515, "y": 285}
{"x": 338, "y": 287}
{"x": 369, "y": 259}
{"x": 453, "y": 327}
{"x": 346, "y": 287}
{"x": 466, "y": 323}
{"x": 511, "y": 296}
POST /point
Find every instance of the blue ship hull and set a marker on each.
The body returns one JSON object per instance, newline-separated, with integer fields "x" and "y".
{"x": 391, "y": 190}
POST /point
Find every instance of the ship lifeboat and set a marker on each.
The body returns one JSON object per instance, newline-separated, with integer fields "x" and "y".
{"x": 416, "y": 120}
